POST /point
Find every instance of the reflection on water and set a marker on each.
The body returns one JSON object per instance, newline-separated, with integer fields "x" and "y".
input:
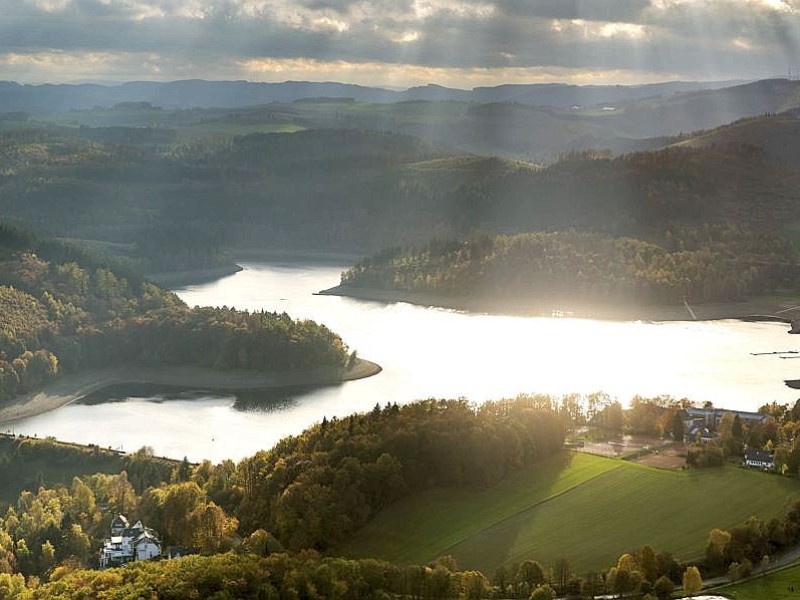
{"x": 156, "y": 393}
{"x": 270, "y": 400}
{"x": 274, "y": 400}
{"x": 429, "y": 352}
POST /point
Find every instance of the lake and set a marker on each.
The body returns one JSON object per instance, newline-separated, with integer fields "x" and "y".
{"x": 431, "y": 352}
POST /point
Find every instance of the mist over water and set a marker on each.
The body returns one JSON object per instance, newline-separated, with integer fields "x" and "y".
{"x": 431, "y": 352}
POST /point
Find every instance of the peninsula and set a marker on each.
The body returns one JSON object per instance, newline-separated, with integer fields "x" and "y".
{"x": 73, "y": 387}
{"x": 70, "y": 324}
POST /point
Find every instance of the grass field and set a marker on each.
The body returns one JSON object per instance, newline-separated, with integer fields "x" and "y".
{"x": 585, "y": 508}
{"x": 59, "y": 463}
{"x": 781, "y": 585}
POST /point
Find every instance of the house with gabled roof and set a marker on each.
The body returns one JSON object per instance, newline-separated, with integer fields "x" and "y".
{"x": 759, "y": 459}
{"x": 128, "y": 544}
{"x": 118, "y": 525}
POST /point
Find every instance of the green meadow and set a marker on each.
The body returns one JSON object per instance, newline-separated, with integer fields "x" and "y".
{"x": 585, "y": 508}
{"x": 775, "y": 586}
{"x": 29, "y": 464}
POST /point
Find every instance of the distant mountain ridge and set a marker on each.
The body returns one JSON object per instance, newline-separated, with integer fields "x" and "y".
{"x": 233, "y": 94}
{"x": 536, "y": 122}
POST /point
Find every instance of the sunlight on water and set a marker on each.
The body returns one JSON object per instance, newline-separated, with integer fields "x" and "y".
{"x": 429, "y": 352}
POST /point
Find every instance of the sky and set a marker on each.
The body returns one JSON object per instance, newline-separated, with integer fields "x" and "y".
{"x": 399, "y": 43}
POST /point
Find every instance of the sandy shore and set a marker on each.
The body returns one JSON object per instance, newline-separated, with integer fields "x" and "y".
{"x": 73, "y": 387}
{"x": 613, "y": 312}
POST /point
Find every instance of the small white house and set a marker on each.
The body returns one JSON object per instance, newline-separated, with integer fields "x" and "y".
{"x": 759, "y": 459}
{"x": 127, "y": 544}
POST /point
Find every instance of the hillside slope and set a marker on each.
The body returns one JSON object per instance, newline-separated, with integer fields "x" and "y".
{"x": 588, "y": 511}
{"x": 712, "y": 218}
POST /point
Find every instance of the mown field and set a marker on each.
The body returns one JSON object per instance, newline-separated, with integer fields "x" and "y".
{"x": 585, "y": 508}
{"x": 775, "y": 586}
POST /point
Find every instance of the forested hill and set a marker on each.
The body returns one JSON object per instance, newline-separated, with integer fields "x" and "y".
{"x": 193, "y": 93}
{"x": 709, "y": 219}
{"x": 308, "y": 494}
{"x": 572, "y": 267}
{"x": 776, "y": 135}
{"x": 530, "y": 122}
{"x": 62, "y": 311}
{"x": 176, "y": 206}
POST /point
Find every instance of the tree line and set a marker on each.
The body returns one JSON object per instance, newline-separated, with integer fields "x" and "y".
{"x": 254, "y": 572}
{"x": 718, "y": 265}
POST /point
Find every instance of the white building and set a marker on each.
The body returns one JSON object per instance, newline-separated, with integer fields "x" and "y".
{"x": 759, "y": 459}
{"x": 127, "y": 544}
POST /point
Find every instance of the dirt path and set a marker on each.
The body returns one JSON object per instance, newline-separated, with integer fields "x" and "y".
{"x": 73, "y": 387}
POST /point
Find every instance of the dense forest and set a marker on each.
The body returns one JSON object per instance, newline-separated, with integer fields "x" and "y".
{"x": 705, "y": 265}
{"x": 169, "y": 207}
{"x": 62, "y": 310}
{"x": 165, "y": 204}
{"x": 708, "y": 220}
{"x": 358, "y": 465}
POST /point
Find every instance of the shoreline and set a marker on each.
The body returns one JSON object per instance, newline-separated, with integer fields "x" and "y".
{"x": 754, "y": 310}
{"x": 177, "y": 279}
{"x": 70, "y": 388}
{"x": 170, "y": 279}
{"x": 296, "y": 255}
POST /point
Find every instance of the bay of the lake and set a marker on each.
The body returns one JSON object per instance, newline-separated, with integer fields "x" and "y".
{"x": 429, "y": 352}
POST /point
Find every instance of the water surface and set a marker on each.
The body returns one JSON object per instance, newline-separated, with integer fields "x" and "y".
{"x": 431, "y": 352}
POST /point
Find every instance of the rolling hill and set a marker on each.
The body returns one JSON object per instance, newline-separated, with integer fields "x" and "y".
{"x": 590, "y": 511}
{"x": 712, "y": 217}
{"x": 171, "y": 202}
{"x": 237, "y": 94}
{"x": 777, "y": 136}
{"x": 532, "y": 122}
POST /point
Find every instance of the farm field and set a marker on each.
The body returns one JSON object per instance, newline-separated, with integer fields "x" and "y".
{"x": 588, "y": 509}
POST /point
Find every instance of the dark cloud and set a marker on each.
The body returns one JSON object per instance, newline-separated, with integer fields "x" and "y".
{"x": 691, "y": 39}
{"x": 629, "y": 11}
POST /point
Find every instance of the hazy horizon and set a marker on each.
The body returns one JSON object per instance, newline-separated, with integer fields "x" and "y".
{"x": 453, "y": 43}
{"x": 121, "y": 82}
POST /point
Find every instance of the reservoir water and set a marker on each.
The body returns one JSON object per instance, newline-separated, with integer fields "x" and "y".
{"x": 430, "y": 352}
